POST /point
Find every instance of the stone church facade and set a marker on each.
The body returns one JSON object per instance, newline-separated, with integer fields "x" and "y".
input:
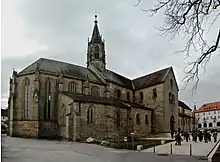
{"x": 50, "y": 98}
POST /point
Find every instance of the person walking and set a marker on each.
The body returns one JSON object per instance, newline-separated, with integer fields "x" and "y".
{"x": 200, "y": 136}
{"x": 187, "y": 136}
{"x": 215, "y": 134}
{"x": 205, "y": 136}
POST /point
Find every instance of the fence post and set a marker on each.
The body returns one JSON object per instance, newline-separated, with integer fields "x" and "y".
{"x": 171, "y": 149}
{"x": 190, "y": 149}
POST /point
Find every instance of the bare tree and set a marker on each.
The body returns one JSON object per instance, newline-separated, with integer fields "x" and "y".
{"x": 190, "y": 17}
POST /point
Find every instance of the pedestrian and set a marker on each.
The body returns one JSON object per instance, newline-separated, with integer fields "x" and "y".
{"x": 205, "y": 136}
{"x": 200, "y": 136}
{"x": 187, "y": 136}
{"x": 215, "y": 134}
{"x": 179, "y": 139}
{"x": 209, "y": 136}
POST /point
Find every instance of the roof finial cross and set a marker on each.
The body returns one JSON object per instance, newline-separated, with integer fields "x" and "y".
{"x": 96, "y": 21}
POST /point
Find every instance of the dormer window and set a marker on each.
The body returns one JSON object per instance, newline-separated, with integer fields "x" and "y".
{"x": 96, "y": 52}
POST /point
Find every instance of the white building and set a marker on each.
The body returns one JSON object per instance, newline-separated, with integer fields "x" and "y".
{"x": 208, "y": 116}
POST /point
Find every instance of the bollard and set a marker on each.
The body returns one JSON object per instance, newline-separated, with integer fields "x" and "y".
{"x": 154, "y": 149}
{"x": 190, "y": 149}
{"x": 171, "y": 149}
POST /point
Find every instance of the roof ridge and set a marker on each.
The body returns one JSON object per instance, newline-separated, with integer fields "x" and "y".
{"x": 49, "y": 59}
{"x": 153, "y": 73}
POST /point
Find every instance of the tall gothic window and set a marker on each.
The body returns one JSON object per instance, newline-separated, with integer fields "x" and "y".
{"x": 96, "y": 52}
{"x": 146, "y": 119}
{"x": 154, "y": 93}
{"x": 138, "y": 119}
{"x": 118, "y": 93}
{"x": 171, "y": 84}
{"x": 141, "y": 95}
{"x": 27, "y": 97}
{"x": 95, "y": 91}
{"x": 72, "y": 87}
{"x": 48, "y": 99}
{"x": 128, "y": 96}
{"x": 118, "y": 119}
{"x": 89, "y": 115}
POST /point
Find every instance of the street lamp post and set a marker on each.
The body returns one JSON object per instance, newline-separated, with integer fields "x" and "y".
{"x": 132, "y": 134}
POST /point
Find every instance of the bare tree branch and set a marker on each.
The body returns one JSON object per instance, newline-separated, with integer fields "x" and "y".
{"x": 189, "y": 17}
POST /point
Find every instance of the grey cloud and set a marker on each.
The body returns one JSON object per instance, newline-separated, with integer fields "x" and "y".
{"x": 133, "y": 44}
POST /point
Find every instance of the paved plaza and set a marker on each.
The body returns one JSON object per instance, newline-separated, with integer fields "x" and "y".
{"x": 197, "y": 149}
{"x": 35, "y": 150}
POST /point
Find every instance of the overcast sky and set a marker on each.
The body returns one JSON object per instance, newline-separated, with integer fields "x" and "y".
{"x": 60, "y": 29}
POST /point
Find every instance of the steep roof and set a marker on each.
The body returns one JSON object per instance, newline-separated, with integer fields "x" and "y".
{"x": 96, "y": 37}
{"x": 209, "y": 107}
{"x": 95, "y": 99}
{"x": 76, "y": 71}
{"x": 58, "y": 67}
{"x": 183, "y": 105}
{"x": 151, "y": 79}
{"x": 118, "y": 79}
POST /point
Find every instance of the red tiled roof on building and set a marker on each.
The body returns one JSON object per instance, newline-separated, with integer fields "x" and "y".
{"x": 209, "y": 107}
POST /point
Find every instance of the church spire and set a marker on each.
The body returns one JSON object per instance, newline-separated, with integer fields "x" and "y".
{"x": 96, "y": 37}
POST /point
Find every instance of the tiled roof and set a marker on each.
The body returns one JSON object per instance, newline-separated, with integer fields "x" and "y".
{"x": 118, "y": 79}
{"x": 58, "y": 67}
{"x": 95, "y": 99}
{"x": 151, "y": 79}
{"x": 183, "y": 105}
{"x": 209, "y": 107}
{"x": 76, "y": 71}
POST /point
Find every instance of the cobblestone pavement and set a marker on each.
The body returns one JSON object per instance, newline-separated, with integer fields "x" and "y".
{"x": 34, "y": 150}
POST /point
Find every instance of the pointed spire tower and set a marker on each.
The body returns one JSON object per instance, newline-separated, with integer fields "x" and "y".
{"x": 96, "y": 49}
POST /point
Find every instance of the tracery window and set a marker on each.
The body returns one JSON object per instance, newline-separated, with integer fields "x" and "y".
{"x": 72, "y": 87}
{"x": 96, "y": 52}
{"x": 95, "y": 91}
{"x": 48, "y": 99}
{"x": 27, "y": 97}
{"x": 138, "y": 119}
{"x": 89, "y": 115}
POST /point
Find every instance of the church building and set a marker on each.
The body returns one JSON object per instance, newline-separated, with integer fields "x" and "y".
{"x": 50, "y": 98}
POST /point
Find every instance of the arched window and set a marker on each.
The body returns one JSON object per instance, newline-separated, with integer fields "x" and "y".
{"x": 95, "y": 91}
{"x": 146, "y": 119}
{"x": 171, "y": 84}
{"x": 154, "y": 93}
{"x": 218, "y": 124}
{"x": 141, "y": 96}
{"x": 138, "y": 119}
{"x": 118, "y": 93}
{"x": 128, "y": 96}
{"x": 170, "y": 97}
{"x": 72, "y": 87}
{"x": 205, "y": 125}
{"x": 200, "y": 125}
{"x": 48, "y": 99}
{"x": 89, "y": 115}
{"x": 210, "y": 124}
{"x": 118, "y": 119}
{"x": 96, "y": 52}
{"x": 27, "y": 97}
{"x": 62, "y": 115}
